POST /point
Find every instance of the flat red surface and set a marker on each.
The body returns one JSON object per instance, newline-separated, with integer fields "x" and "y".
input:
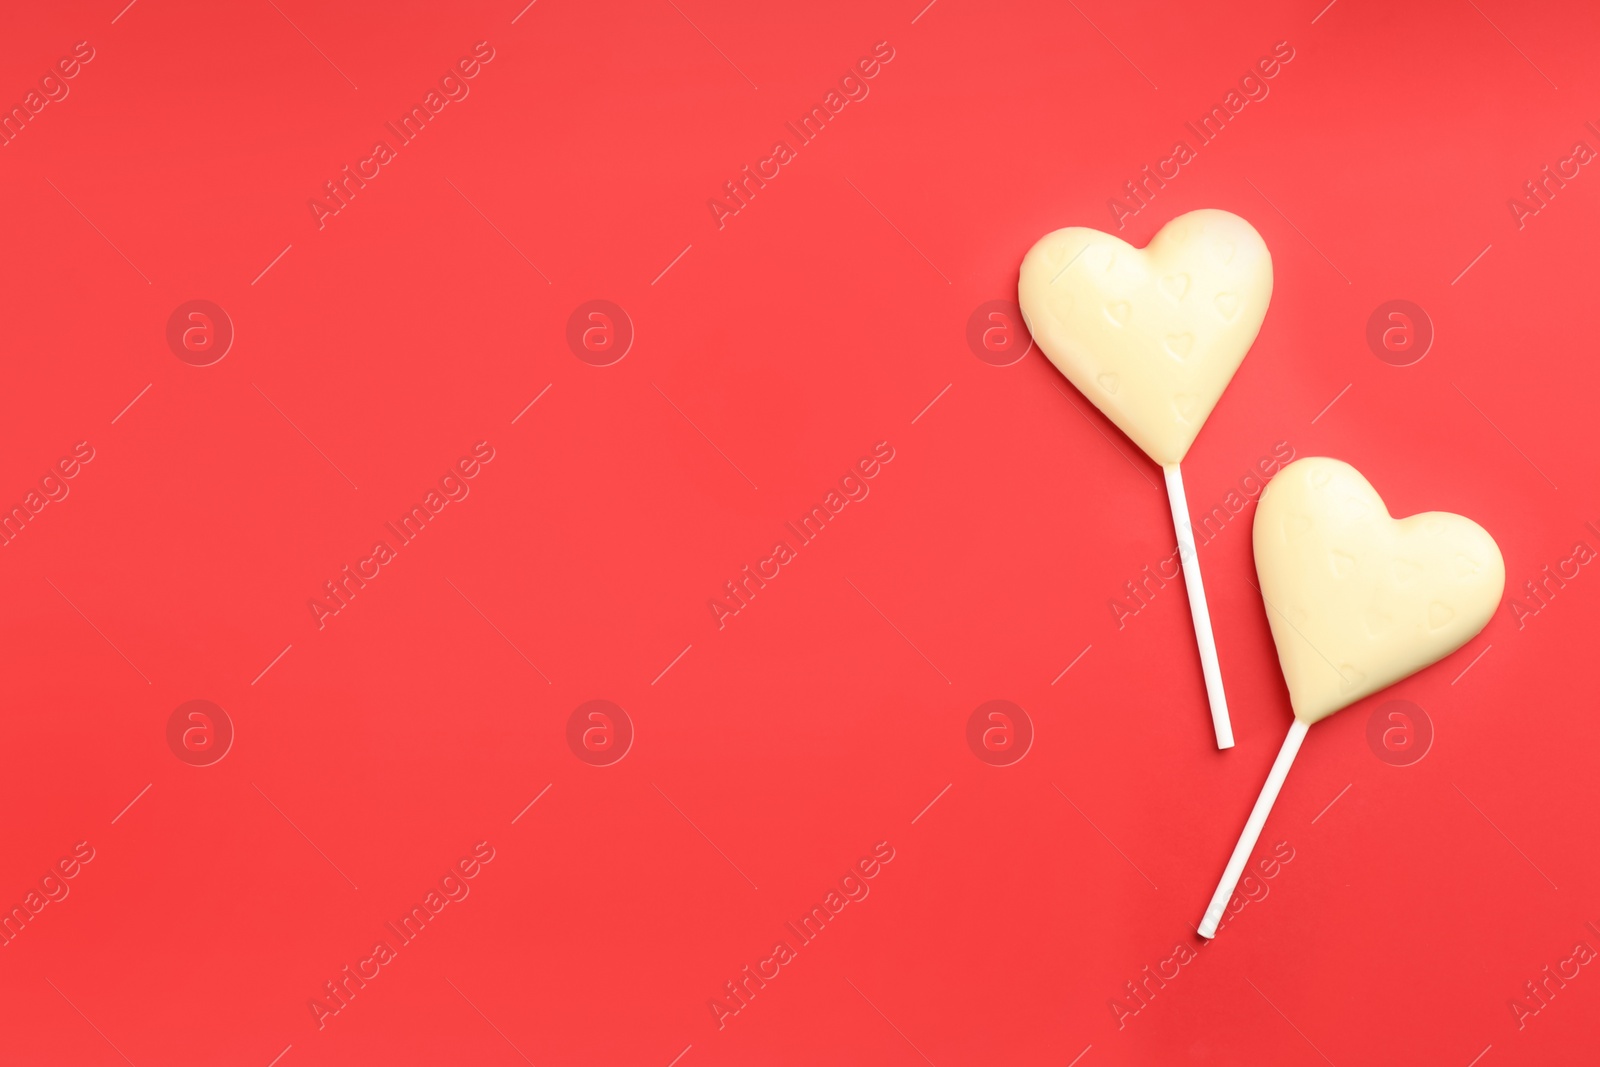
{"x": 374, "y": 748}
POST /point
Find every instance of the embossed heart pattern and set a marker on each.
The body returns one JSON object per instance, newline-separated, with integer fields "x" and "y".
{"x": 1151, "y": 336}
{"x": 1356, "y": 599}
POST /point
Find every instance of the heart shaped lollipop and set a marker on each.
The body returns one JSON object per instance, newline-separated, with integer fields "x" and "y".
{"x": 1152, "y": 337}
{"x": 1357, "y": 601}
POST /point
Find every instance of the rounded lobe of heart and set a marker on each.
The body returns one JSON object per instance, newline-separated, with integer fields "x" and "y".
{"x": 1152, "y": 336}
{"x": 1358, "y": 600}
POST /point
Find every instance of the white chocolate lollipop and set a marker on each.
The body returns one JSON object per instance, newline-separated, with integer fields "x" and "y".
{"x": 1357, "y": 601}
{"x": 1152, "y": 337}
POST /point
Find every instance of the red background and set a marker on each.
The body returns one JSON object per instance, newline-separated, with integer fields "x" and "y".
{"x": 826, "y": 715}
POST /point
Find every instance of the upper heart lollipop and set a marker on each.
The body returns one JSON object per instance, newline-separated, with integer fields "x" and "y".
{"x": 1357, "y": 601}
{"x": 1153, "y": 336}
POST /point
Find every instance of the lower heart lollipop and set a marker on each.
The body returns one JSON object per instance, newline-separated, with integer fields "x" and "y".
{"x": 1357, "y": 600}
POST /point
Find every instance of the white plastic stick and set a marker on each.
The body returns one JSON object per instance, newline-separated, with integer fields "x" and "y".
{"x": 1252, "y": 828}
{"x": 1197, "y": 607}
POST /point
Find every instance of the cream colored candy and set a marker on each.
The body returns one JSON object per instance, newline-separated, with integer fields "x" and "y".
{"x": 1358, "y": 600}
{"x": 1152, "y": 336}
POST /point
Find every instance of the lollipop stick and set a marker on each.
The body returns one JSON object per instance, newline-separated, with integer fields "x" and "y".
{"x": 1197, "y": 607}
{"x": 1252, "y": 828}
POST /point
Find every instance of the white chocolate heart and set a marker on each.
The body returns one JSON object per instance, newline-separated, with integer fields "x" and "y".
{"x": 1152, "y": 336}
{"x": 1358, "y": 600}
